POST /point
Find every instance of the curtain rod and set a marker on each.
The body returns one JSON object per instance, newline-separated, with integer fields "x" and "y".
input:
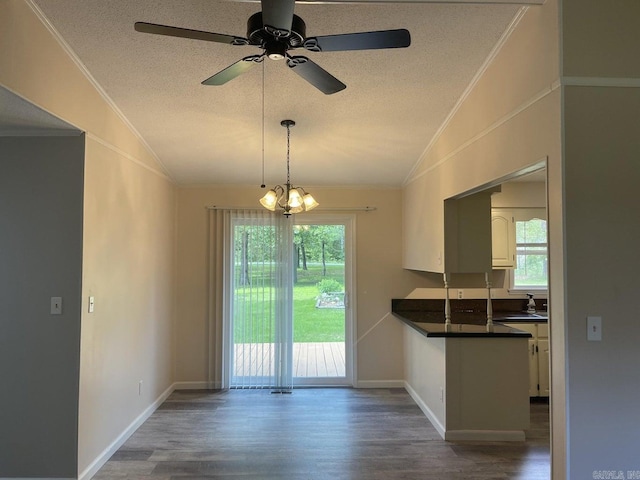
{"x": 320, "y": 209}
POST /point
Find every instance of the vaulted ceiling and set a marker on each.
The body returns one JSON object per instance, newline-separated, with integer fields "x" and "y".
{"x": 371, "y": 133}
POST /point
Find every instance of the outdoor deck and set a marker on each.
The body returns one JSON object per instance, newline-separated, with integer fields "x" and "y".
{"x": 310, "y": 360}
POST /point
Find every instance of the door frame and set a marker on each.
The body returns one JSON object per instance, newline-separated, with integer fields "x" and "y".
{"x": 350, "y": 346}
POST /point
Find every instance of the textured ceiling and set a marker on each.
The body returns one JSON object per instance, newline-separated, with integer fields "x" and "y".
{"x": 372, "y": 133}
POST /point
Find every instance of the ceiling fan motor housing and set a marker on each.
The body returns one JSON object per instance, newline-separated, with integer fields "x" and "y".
{"x": 275, "y": 46}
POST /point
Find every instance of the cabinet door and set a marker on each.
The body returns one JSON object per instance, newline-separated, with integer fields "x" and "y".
{"x": 533, "y": 368}
{"x": 503, "y": 239}
{"x": 543, "y": 367}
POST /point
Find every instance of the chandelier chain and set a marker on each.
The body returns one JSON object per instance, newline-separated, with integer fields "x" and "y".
{"x": 288, "y": 150}
{"x": 263, "y": 185}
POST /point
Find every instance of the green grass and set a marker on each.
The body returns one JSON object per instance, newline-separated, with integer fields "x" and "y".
{"x": 310, "y": 324}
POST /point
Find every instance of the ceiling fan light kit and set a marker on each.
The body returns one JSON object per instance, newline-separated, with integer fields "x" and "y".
{"x": 276, "y": 30}
{"x": 288, "y": 198}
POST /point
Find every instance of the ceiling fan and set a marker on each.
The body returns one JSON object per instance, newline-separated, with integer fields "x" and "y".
{"x": 276, "y": 30}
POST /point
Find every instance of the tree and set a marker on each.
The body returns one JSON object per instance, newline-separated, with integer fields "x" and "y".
{"x": 244, "y": 256}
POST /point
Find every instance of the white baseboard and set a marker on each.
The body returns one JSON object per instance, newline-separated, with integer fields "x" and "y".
{"x": 380, "y": 384}
{"x": 464, "y": 435}
{"x": 485, "y": 435}
{"x": 197, "y": 386}
{"x": 426, "y": 410}
{"x": 93, "y": 468}
{"x": 36, "y": 478}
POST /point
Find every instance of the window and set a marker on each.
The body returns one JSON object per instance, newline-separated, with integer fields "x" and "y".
{"x": 531, "y": 250}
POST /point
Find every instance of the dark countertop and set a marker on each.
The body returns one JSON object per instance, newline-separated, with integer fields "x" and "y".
{"x": 468, "y": 317}
{"x": 429, "y": 329}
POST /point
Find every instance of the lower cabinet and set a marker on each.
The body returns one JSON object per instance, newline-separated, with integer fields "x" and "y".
{"x": 538, "y": 357}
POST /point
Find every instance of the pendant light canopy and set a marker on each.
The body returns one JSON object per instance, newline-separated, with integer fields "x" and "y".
{"x": 288, "y": 198}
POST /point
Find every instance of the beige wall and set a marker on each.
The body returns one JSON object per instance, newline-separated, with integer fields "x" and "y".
{"x": 379, "y": 276}
{"x": 590, "y": 184}
{"x": 509, "y": 121}
{"x": 521, "y": 195}
{"x": 128, "y": 268}
{"x": 128, "y": 250}
{"x": 466, "y": 388}
{"x": 36, "y": 67}
{"x": 426, "y": 384}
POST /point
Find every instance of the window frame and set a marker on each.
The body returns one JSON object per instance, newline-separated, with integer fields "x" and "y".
{"x": 525, "y": 215}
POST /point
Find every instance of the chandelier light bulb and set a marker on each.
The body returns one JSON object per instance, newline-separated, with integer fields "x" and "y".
{"x": 270, "y": 200}
{"x": 295, "y": 200}
{"x": 309, "y": 202}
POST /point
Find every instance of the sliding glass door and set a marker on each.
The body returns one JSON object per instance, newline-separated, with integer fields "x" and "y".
{"x": 288, "y": 294}
{"x": 321, "y": 313}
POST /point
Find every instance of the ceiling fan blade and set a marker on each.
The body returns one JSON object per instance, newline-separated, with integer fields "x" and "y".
{"x": 187, "y": 33}
{"x": 277, "y": 16}
{"x": 234, "y": 70}
{"x": 359, "y": 41}
{"x": 315, "y": 75}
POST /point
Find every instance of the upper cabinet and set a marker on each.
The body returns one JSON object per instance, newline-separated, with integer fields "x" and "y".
{"x": 467, "y": 233}
{"x": 503, "y": 239}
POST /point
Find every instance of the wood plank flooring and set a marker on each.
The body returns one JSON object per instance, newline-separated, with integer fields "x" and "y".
{"x": 315, "y": 434}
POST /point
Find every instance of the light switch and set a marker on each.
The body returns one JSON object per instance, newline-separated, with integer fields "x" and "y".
{"x": 91, "y": 304}
{"x": 594, "y": 329}
{"x": 56, "y": 305}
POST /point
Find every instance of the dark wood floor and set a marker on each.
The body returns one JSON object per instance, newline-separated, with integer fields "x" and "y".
{"x": 315, "y": 434}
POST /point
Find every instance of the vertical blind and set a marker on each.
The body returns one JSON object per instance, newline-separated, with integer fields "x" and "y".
{"x": 257, "y": 291}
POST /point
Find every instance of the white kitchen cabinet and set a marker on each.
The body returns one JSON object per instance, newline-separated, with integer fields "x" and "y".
{"x": 543, "y": 359}
{"x": 503, "y": 238}
{"x": 538, "y": 357}
{"x": 467, "y": 237}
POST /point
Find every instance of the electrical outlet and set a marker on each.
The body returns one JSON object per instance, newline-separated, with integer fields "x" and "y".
{"x": 91, "y": 304}
{"x": 460, "y": 293}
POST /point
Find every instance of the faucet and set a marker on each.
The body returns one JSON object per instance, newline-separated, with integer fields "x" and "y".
{"x": 531, "y": 304}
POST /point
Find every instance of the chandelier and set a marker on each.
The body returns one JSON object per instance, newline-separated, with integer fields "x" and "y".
{"x": 288, "y": 198}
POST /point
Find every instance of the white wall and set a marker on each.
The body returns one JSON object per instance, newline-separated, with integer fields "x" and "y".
{"x": 41, "y": 184}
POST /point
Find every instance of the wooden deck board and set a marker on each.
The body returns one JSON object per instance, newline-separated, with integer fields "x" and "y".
{"x": 310, "y": 360}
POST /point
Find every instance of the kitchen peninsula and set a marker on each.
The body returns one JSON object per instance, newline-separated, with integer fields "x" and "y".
{"x": 472, "y": 384}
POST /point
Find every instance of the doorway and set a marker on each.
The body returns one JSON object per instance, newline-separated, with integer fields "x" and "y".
{"x": 289, "y": 320}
